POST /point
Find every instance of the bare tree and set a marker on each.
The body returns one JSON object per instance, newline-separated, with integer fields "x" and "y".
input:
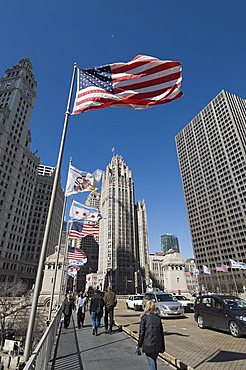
{"x": 10, "y": 308}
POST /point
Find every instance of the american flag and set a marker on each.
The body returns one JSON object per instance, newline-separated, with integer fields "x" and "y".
{"x": 75, "y": 254}
{"x": 80, "y": 230}
{"x": 141, "y": 83}
{"x": 221, "y": 267}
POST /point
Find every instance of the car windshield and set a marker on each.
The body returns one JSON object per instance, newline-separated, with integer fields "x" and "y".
{"x": 235, "y": 303}
{"x": 181, "y": 298}
{"x": 164, "y": 297}
{"x": 138, "y": 297}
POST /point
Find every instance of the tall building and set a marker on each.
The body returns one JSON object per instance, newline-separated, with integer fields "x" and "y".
{"x": 37, "y": 221}
{"x": 118, "y": 253}
{"x": 212, "y": 158}
{"x": 143, "y": 275}
{"x": 93, "y": 200}
{"x": 169, "y": 243}
{"x": 18, "y": 165}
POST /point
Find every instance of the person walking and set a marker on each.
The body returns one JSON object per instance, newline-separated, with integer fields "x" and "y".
{"x": 68, "y": 307}
{"x": 110, "y": 301}
{"x": 81, "y": 308}
{"x": 151, "y": 337}
{"x": 95, "y": 311}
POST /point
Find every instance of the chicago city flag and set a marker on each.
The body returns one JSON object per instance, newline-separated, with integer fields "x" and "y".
{"x": 141, "y": 83}
{"x": 79, "y": 211}
{"x": 238, "y": 265}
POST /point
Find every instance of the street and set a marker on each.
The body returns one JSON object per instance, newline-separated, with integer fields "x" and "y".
{"x": 201, "y": 349}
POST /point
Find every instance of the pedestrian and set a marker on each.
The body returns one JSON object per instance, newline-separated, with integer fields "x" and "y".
{"x": 81, "y": 307}
{"x": 68, "y": 307}
{"x": 95, "y": 311}
{"x": 110, "y": 301}
{"x": 100, "y": 314}
{"x": 151, "y": 337}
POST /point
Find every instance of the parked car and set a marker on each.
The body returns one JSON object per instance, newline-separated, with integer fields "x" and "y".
{"x": 166, "y": 304}
{"x": 135, "y": 302}
{"x": 186, "y": 303}
{"x": 224, "y": 312}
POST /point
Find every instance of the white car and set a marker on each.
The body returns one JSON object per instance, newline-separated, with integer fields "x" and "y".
{"x": 186, "y": 302}
{"x": 134, "y": 302}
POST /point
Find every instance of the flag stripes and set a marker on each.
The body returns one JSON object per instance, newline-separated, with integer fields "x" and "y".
{"x": 75, "y": 254}
{"x": 80, "y": 230}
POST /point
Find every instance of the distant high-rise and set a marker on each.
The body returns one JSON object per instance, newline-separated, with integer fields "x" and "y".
{"x": 37, "y": 222}
{"x": 118, "y": 253}
{"x": 18, "y": 166}
{"x": 169, "y": 243}
{"x": 212, "y": 158}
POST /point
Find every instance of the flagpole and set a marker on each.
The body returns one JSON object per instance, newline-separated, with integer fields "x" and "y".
{"x": 38, "y": 281}
{"x": 232, "y": 272}
{"x": 218, "y": 280}
{"x": 63, "y": 267}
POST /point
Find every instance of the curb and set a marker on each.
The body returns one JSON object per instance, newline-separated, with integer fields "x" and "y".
{"x": 165, "y": 356}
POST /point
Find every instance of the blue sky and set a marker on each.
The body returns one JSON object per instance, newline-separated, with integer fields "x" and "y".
{"x": 209, "y": 39}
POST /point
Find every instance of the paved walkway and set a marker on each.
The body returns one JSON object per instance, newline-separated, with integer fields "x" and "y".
{"x": 78, "y": 349}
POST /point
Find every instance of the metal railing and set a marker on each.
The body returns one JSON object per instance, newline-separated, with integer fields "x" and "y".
{"x": 41, "y": 355}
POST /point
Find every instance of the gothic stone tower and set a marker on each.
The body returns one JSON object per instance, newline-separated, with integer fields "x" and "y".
{"x": 18, "y": 166}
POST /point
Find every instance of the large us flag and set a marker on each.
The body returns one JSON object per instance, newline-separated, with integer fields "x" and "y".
{"x": 141, "y": 83}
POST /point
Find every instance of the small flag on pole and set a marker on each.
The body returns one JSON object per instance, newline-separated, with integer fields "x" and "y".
{"x": 196, "y": 272}
{"x": 79, "y": 181}
{"x": 141, "y": 83}
{"x": 237, "y": 265}
{"x": 81, "y": 230}
{"x": 72, "y": 271}
{"x": 206, "y": 270}
{"x": 220, "y": 267}
{"x": 79, "y": 211}
{"x": 75, "y": 254}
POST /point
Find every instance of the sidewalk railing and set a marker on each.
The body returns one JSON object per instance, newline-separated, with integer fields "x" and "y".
{"x": 41, "y": 355}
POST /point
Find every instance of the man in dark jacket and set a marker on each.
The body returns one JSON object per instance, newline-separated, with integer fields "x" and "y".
{"x": 96, "y": 307}
{"x": 110, "y": 301}
{"x": 151, "y": 334}
{"x": 68, "y": 307}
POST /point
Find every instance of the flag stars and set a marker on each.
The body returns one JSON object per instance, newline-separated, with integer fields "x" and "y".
{"x": 96, "y": 77}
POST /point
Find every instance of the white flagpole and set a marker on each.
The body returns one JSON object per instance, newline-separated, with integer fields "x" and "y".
{"x": 38, "y": 281}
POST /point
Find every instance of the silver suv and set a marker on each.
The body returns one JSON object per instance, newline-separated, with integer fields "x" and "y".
{"x": 166, "y": 304}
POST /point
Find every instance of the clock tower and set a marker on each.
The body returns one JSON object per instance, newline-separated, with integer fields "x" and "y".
{"x": 18, "y": 166}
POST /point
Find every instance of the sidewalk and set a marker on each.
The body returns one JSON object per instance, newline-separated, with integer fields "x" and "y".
{"x": 78, "y": 349}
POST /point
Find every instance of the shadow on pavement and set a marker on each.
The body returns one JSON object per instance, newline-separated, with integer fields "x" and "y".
{"x": 224, "y": 356}
{"x": 174, "y": 333}
{"x": 132, "y": 323}
{"x": 128, "y": 315}
{"x": 104, "y": 345}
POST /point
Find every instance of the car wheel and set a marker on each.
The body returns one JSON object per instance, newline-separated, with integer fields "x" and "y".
{"x": 234, "y": 329}
{"x": 200, "y": 322}
{"x": 135, "y": 308}
{"x": 127, "y": 306}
